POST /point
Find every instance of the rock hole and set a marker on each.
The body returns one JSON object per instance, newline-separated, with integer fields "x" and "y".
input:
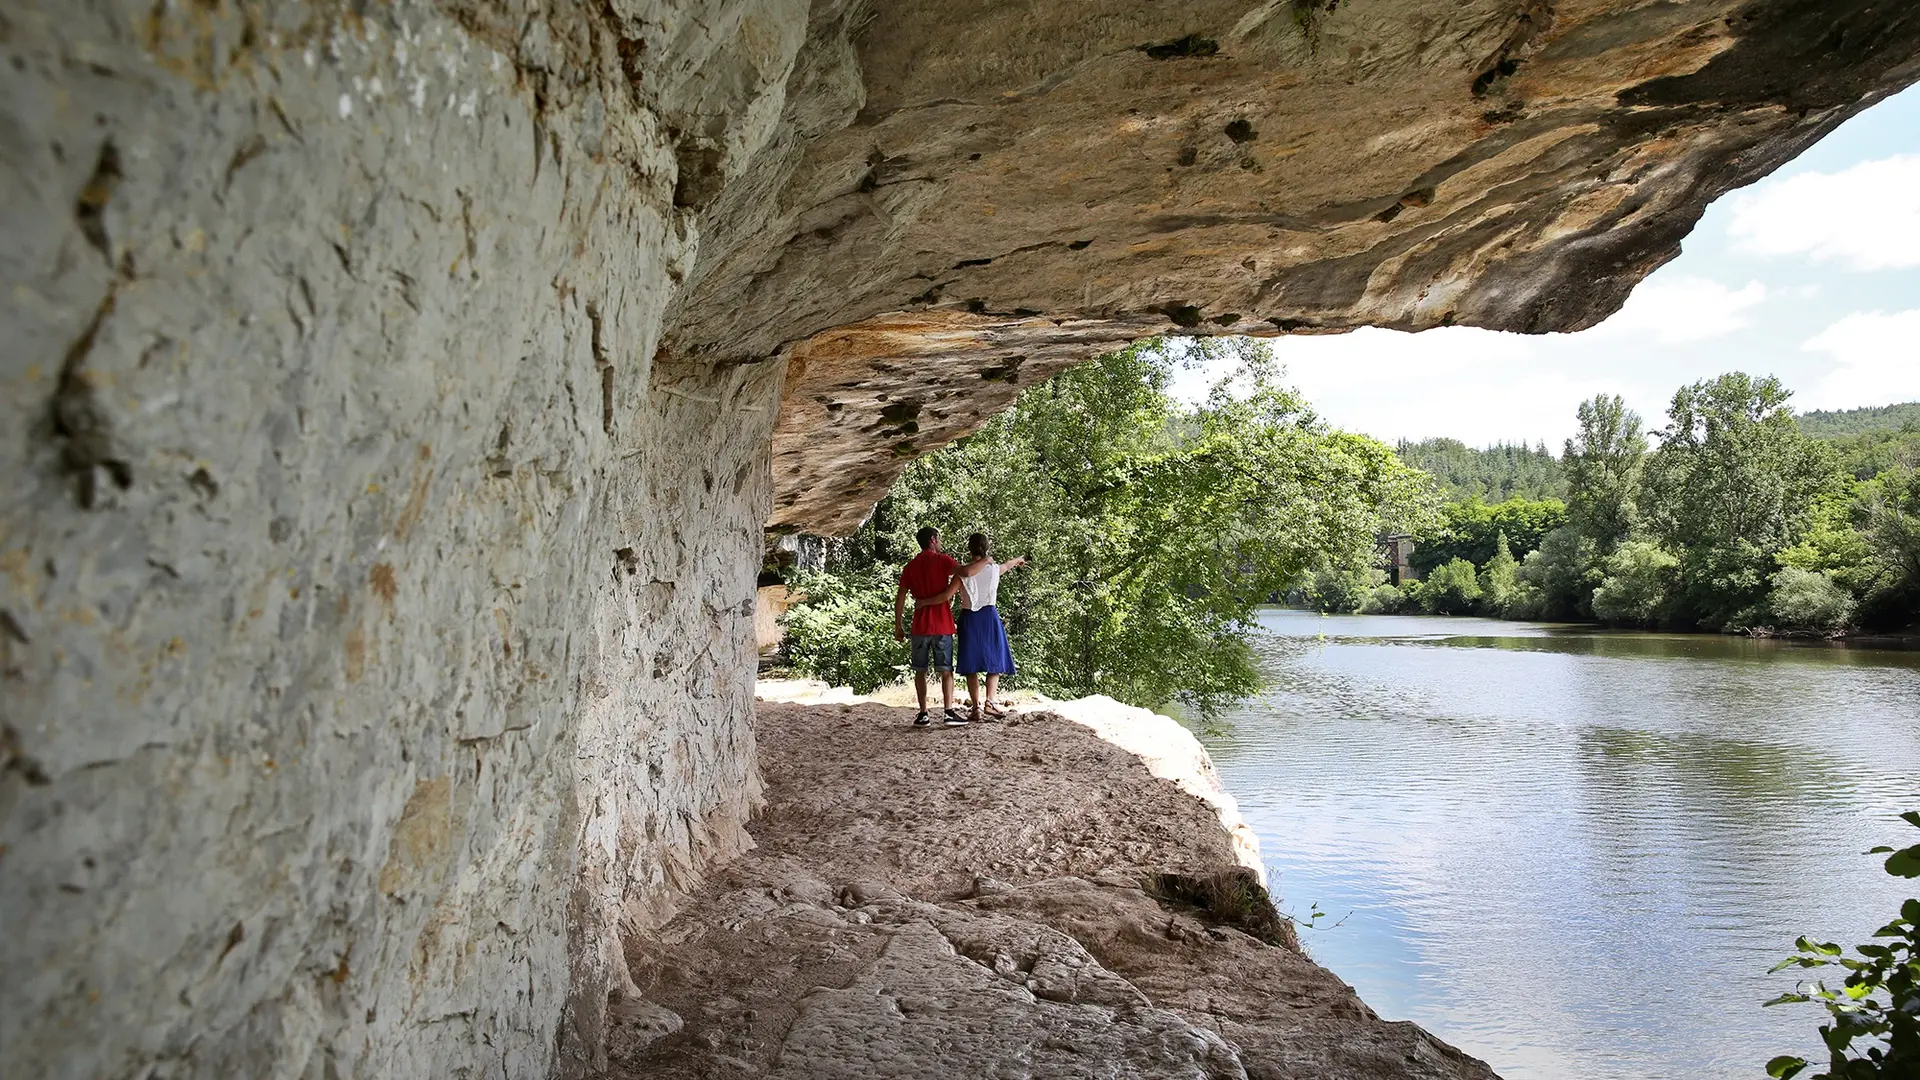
{"x": 1182, "y": 48}
{"x": 1187, "y": 156}
{"x": 901, "y": 417}
{"x": 1079, "y": 245}
{"x": 80, "y": 421}
{"x": 700, "y": 178}
{"x": 606, "y": 400}
{"x": 1228, "y": 319}
{"x": 203, "y": 483}
{"x": 1485, "y": 82}
{"x": 1007, "y": 371}
{"x": 91, "y": 208}
{"x": 1241, "y": 131}
{"x": 964, "y": 263}
{"x": 977, "y": 306}
{"x": 1182, "y": 314}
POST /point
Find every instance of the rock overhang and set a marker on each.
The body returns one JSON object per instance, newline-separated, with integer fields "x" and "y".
{"x": 1030, "y": 184}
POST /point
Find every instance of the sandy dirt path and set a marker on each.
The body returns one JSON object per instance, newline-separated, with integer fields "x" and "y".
{"x": 1015, "y": 899}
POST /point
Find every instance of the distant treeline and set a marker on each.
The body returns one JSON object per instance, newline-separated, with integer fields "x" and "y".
{"x": 1735, "y": 516}
{"x": 1494, "y": 474}
{"x": 1890, "y": 419}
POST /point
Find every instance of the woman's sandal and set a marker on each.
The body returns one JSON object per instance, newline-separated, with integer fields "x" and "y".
{"x": 994, "y": 708}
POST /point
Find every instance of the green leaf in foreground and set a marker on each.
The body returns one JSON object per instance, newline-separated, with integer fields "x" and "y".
{"x": 1785, "y": 1066}
{"x": 1868, "y": 1036}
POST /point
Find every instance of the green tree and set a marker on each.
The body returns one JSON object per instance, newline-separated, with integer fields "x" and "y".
{"x": 1468, "y": 530}
{"x": 842, "y": 630}
{"x": 1154, "y": 529}
{"x": 1493, "y": 474}
{"x": 1383, "y": 600}
{"x": 1728, "y": 487}
{"x": 1831, "y": 544}
{"x": 1452, "y": 589}
{"x": 1603, "y": 464}
{"x": 1638, "y": 584}
{"x": 1808, "y": 600}
{"x": 1557, "y": 579}
{"x": 1500, "y": 579}
{"x": 1889, "y": 507}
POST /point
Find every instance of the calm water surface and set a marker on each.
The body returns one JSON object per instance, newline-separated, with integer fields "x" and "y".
{"x": 1575, "y": 853}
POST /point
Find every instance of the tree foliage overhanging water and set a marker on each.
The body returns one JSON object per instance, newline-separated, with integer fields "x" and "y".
{"x": 1154, "y": 528}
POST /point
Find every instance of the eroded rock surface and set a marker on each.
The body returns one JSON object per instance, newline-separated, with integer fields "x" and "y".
{"x": 1022, "y": 181}
{"x": 395, "y": 394}
{"x": 981, "y": 902}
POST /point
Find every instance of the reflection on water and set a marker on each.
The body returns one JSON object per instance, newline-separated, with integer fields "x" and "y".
{"x": 1575, "y": 853}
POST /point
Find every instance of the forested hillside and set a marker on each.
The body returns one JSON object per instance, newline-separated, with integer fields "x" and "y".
{"x": 1879, "y": 418}
{"x": 1493, "y": 474}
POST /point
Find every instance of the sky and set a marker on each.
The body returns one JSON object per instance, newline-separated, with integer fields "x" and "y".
{"x": 1811, "y": 275}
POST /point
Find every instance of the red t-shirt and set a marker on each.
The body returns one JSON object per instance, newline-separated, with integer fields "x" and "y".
{"x": 928, "y": 574}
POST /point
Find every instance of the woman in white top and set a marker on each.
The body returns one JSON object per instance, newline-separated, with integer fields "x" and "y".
{"x": 983, "y": 648}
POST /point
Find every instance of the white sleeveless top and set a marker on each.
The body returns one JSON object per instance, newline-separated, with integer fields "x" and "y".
{"x": 982, "y": 589}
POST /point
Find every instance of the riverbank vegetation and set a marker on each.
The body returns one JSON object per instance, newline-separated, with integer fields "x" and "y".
{"x": 1154, "y": 528}
{"x": 1735, "y": 516}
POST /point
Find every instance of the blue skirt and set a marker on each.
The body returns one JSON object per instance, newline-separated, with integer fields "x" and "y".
{"x": 983, "y": 644}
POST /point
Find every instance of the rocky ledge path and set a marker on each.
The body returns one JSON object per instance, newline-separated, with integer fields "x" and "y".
{"x": 1012, "y": 899}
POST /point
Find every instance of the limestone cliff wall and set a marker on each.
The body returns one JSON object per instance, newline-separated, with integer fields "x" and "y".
{"x": 377, "y": 614}
{"x": 394, "y": 394}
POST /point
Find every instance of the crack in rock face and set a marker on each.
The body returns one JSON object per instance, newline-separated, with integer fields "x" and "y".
{"x": 398, "y": 394}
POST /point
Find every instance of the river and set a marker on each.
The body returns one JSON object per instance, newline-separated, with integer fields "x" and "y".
{"x": 1575, "y": 853}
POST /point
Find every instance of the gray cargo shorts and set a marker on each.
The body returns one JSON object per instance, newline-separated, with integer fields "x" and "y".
{"x": 935, "y": 650}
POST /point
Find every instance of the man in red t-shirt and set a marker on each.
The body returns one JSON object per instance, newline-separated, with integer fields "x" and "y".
{"x": 927, "y": 575}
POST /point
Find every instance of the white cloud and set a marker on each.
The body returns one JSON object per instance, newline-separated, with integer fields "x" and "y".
{"x": 1877, "y": 358}
{"x": 1475, "y": 385}
{"x": 1866, "y": 217}
{"x": 1680, "y": 309}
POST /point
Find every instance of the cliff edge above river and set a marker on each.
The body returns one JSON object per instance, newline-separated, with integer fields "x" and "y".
{"x": 1008, "y": 899}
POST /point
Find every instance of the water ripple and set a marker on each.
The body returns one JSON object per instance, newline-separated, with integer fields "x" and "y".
{"x": 1574, "y": 853}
